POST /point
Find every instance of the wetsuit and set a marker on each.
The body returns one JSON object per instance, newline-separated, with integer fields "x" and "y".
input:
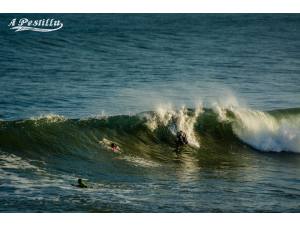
{"x": 181, "y": 140}
{"x": 81, "y": 184}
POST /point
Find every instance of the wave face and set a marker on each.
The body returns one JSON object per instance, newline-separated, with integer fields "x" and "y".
{"x": 149, "y": 134}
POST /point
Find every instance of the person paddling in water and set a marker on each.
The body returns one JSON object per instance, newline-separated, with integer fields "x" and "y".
{"x": 181, "y": 140}
{"x": 114, "y": 147}
{"x": 81, "y": 184}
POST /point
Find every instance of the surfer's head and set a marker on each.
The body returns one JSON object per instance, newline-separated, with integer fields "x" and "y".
{"x": 113, "y": 145}
{"x": 79, "y": 181}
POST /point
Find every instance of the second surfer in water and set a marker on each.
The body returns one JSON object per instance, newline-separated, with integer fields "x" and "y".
{"x": 81, "y": 184}
{"x": 115, "y": 148}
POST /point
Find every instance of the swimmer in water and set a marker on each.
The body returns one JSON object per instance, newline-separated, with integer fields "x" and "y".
{"x": 81, "y": 184}
{"x": 114, "y": 147}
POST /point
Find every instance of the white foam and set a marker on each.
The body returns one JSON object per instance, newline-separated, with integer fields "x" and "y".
{"x": 12, "y": 166}
{"x": 176, "y": 120}
{"x": 264, "y": 132}
{"x": 10, "y": 161}
{"x": 259, "y": 129}
{"x": 50, "y": 118}
{"x": 225, "y": 103}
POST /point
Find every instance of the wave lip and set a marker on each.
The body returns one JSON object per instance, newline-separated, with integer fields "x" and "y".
{"x": 265, "y": 132}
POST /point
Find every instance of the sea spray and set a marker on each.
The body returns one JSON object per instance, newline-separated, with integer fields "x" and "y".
{"x": 267, "y": 133}
{"x": 176, "y": 120}
{"x": 47, "y": 118}
{"x": 261, "y": 130}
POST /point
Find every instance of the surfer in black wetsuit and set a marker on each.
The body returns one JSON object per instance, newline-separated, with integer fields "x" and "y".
{"x": 81, "y": 184}
{"x": 181, "y": 140}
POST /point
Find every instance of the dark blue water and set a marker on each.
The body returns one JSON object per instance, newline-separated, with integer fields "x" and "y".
{"x": 113, "y": 63}
{"x": 123, "y": 64}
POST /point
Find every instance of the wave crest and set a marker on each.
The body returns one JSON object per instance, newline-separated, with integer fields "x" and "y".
{"x": 265, "y": 132}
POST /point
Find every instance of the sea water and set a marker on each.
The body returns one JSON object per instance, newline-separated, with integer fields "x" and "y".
{"x": 230, "y": 81}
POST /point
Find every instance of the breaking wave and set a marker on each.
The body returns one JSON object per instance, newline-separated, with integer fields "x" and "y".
{"x": 149, "y": 134}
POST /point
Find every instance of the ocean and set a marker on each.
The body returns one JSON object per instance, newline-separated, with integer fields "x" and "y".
{"x": 231, "y": 82}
